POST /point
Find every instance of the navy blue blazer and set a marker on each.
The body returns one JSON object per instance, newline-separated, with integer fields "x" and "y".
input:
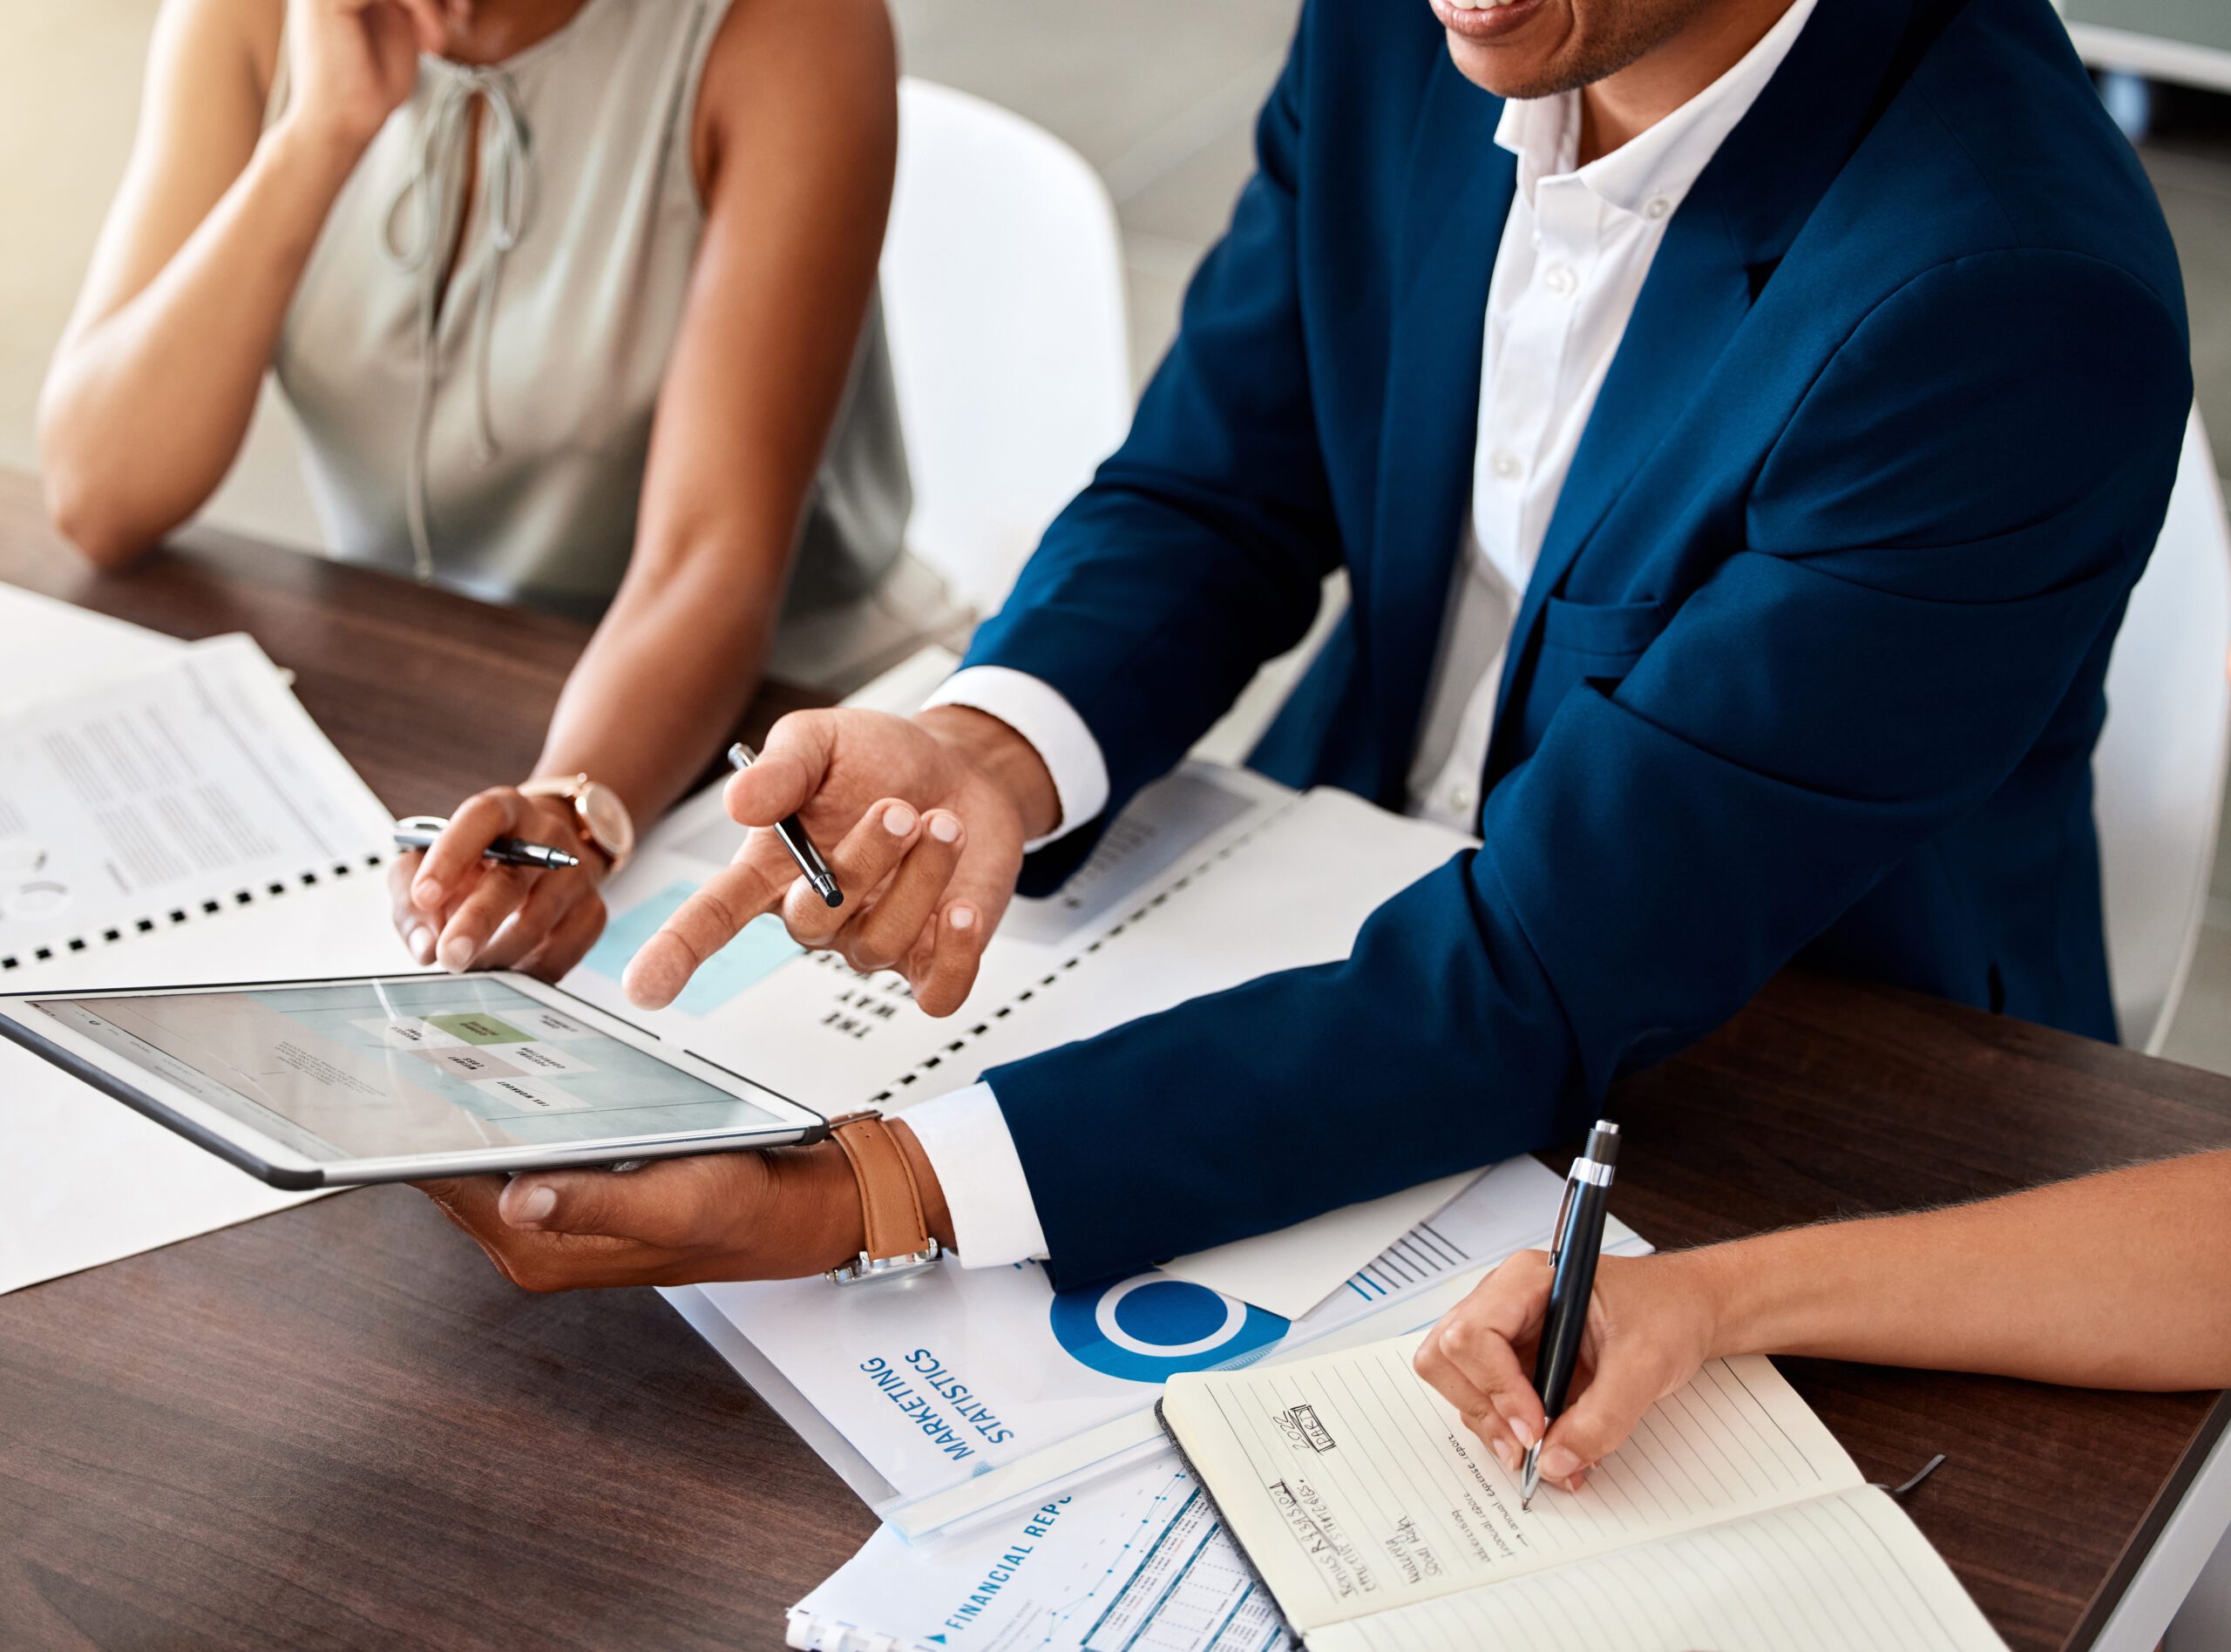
{"x": 1810, "y": 665}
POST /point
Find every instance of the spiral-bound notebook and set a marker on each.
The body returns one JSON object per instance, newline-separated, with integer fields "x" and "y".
{"x": 168, "y": 813}
{"x": 173, "y": 795}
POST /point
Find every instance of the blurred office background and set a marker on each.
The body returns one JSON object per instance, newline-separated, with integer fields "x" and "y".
{"x": 1159, "y": 96}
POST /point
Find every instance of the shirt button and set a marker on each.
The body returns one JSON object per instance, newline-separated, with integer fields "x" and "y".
{"x": 1560, "y": 280}
{"x": 1503, "y": 465}
{"x": 1657, "y": 206}
{"x": 1459, "y": 798}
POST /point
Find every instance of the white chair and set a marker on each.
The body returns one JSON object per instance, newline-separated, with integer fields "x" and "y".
{"x": 1003, "y": 289}
{"x": 2159, "y": 773}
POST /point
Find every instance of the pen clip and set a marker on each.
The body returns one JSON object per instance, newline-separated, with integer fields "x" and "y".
{"x": 1564, "y": 1209}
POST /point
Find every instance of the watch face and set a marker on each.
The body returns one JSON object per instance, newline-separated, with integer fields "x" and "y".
{"x": 607, "y": 819}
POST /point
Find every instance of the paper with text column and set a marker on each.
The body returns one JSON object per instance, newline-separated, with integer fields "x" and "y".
{"x": 1379, "y": 1522}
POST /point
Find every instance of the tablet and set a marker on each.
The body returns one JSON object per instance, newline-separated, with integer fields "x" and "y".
{"x": 322, "y": 1084}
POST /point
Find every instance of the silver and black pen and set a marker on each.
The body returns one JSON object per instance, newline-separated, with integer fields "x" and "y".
{"x": 1575, "y": 1246}
{"x": 419, "y": 831}
{"x": 817, "y": 875}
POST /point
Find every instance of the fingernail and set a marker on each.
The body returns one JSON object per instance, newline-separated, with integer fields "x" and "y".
{"x": 899, "y": 820}
{"x": 962, "y": 917}
{"x": 421, "y": 942}
{"x": 1524, "y": 1429}
{"x": 1508, "y": 1455}
{"x": 425, "y": 893}
{"x": 456, "y": 954}
{"x": 1558, "y": 1463}
{"x": 944, "y": 829}
{"x": 537, "y": 1205}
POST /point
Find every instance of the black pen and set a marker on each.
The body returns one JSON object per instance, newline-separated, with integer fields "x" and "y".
{"x": 1575, "y": 1246}
{"x": 794, "y": 838}
{"x": 420, "y": 831}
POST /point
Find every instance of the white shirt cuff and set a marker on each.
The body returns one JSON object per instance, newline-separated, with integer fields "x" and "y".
{"x": 966, "y": 1138}
{"x": 1037, "y": 712}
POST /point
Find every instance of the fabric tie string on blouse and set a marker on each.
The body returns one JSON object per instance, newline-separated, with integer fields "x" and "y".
{"x": 424, "y": 206}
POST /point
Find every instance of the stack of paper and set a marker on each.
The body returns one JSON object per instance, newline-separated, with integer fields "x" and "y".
{"x": 169, "y": 814}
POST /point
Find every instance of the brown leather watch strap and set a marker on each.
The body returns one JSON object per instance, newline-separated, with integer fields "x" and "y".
{"x": 891, "y": 1205}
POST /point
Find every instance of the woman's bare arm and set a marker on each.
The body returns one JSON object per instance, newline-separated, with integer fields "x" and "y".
{"x": 150, "y": 390}
{"x": 2115, "y": 1281}
{"x": 2121, "y": 1280}
{"x": 797, "y": 145}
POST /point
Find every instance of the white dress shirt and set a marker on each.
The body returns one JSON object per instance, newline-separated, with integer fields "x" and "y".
{"x": 1575, "y": 250}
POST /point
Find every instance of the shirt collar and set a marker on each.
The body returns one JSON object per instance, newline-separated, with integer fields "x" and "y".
{"x": 1662, "y": 163}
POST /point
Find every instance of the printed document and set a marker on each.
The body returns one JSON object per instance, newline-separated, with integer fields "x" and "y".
{"x": 1190, "y": 891}
{"x": 1127, "y": 1562}
{"x": 176, "y": 793}
{"x": 969, "y": 1389}
{"x": 1731, "y": 1518}
{"x": 107, "y": 830}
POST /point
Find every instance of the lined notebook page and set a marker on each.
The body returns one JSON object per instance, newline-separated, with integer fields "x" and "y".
{"x": 1842, "y": 1573}
{"x": 1356, "y": 1488}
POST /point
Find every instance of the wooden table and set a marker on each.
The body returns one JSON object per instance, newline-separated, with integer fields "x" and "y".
{"x": 337, "y": 1426}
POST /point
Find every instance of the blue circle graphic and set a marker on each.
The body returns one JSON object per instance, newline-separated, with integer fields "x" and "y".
{"x": 1150, "y": 1327}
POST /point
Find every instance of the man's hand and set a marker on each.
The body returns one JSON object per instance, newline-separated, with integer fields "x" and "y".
{"x": 1653, "y": 1321}
{"x": 453, "y": 906}
{"x": 922, "y": 821}
{"x": 782, "y": 1214}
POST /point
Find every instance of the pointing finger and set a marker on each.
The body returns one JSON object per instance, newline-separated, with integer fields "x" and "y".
{"x": 708, "y": 921}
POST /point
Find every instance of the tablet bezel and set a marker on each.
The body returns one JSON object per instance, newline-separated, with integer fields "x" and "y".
{"x": 242, "y": 1145}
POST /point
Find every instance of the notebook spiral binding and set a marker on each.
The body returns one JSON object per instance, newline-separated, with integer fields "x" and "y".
{"x": 207, "y": 907}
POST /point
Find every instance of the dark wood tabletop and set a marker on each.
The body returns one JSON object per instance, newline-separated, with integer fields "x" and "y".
{"x": 337, "y": 1427}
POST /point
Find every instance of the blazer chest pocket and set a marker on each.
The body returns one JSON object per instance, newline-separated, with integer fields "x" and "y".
{"x": 1594, "y": 642}
{"x": 1582, "y": 642}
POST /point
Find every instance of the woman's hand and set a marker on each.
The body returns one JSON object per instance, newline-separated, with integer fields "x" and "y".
{"x": 1653, "y": 1321}
{"x": 782, "y": 1214}
{"x": 923, "y": 821}
{"x": 351, "y": 62}
{"x": 455, "y": 907}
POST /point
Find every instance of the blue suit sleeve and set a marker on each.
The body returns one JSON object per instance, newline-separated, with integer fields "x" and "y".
{"x": 1199, "y": 550}
{"x": 1937, "y": 541}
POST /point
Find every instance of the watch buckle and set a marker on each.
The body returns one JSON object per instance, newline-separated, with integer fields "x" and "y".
{"x": 869, "y": 1269}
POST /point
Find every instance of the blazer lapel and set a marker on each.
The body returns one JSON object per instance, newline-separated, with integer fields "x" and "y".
{"x": 1697, "y": 292}
{"x": 1458, "y": 193}
{"x": 1734, "y": 225}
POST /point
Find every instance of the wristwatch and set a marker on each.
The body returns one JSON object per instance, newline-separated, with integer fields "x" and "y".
{"x": 603, "y": 819}
{"x": 899, "y": 1240}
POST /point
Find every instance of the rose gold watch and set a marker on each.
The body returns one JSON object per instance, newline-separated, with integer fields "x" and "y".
{"x": 598, "y": 810}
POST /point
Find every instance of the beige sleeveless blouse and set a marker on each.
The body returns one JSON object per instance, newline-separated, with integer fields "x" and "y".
{"x": 498, "y": 444}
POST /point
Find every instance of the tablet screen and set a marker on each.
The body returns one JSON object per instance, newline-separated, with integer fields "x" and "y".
{"x": 394, "y": 1068}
